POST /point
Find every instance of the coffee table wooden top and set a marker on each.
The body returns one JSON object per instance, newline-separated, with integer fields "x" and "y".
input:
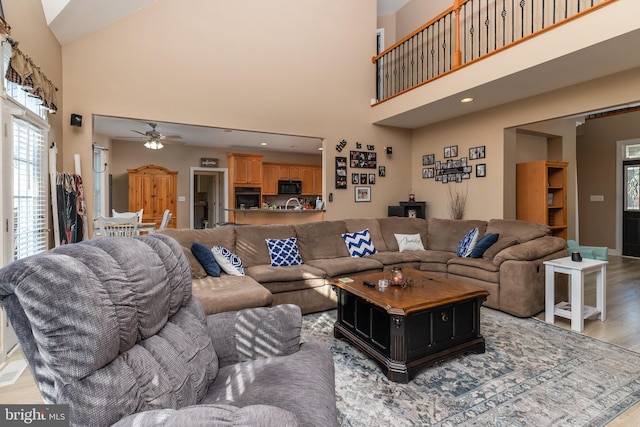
{"x": 426, "y": 291}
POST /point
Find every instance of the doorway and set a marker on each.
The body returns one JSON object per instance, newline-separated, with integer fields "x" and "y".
{"x": 631, "y": 208}
{"x": 209, "y": 198}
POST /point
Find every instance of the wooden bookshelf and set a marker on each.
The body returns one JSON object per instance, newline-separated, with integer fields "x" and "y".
{"x": 541, "y": 194}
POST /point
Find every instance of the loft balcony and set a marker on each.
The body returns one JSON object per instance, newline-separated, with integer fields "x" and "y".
{"x": 500, "y": 51}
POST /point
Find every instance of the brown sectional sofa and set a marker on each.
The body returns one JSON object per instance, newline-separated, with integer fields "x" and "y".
{"x": 511, "y": 269}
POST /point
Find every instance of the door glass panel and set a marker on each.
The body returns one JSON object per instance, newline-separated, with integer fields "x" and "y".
{"x": 632, "y": 151}
{"x": 632, "y": 187}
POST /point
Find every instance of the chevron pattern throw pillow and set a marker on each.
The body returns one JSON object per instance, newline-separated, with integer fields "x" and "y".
{"x": 228, "y": 261}
{"x": 284, "y": 252}
{"x": 359, "y": 244}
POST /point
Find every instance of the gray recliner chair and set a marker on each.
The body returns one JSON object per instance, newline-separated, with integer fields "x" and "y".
{"x": 109, "y": 327}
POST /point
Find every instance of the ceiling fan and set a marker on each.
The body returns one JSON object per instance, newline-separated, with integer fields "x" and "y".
{"x": 154, "y": 139}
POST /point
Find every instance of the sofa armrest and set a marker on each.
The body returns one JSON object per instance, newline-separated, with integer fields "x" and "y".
{"x": 531, "y": 250}
{"x": 247, "y": 334}
{"x": 212, "y": 415}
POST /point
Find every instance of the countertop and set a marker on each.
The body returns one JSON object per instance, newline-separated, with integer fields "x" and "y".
{"x": 287, "y": 211}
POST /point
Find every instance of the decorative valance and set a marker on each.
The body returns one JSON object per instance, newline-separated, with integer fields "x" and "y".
{"x": 23, "y": 71}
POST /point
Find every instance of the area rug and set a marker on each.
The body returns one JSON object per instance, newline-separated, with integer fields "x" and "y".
{"x": 532, "y": 374}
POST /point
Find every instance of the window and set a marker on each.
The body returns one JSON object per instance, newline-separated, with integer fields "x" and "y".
{"x": 632, "y": 151}
{"x": 26, "y": 189}
{"x": 30, "y": 191}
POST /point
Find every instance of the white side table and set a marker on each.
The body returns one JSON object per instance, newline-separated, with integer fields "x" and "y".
{"x": 575, "y": 308}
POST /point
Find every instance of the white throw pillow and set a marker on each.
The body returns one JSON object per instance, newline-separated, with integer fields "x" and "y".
{"x": 228, "y": 261}
{"x": 409, "y": 242}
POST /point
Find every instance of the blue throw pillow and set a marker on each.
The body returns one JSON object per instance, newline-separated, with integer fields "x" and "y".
{"x": 284, "y": 252}
{"x": 483, "y": 244}
{"x": 204, "y": 255}
{"x": 467, "y": 243}
{"x": 359, "y": 244}
{"x": 229, "y": 262}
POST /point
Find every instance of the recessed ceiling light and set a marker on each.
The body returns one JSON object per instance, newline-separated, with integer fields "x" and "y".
{"x": 319, "y": 148}
{"x": 294, "y": 146}
{"x": 263, "y": 143}
{"x": 465, "y": 100}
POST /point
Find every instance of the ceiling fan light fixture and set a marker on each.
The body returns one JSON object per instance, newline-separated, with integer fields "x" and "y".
{"x": 153, "y": 144}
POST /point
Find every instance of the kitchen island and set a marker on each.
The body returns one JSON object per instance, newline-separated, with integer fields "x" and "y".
{"x": 276, "y": 216}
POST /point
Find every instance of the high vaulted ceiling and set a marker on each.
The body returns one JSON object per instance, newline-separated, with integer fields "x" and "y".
{"x": 72, "y": 19}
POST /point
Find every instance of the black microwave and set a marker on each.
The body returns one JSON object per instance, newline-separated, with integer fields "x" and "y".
{"x": 289, "y": 187}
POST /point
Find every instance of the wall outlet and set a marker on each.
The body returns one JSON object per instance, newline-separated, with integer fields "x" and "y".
{"x": 182, "y": 198}
{"x": 596, "y": 198}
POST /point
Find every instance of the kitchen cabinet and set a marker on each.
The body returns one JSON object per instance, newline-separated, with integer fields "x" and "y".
{"x": 245, "y": 169}
{"x": 294, "y": 173}
{"x": 317, "y": 181}
{"x": 270, "y": 177}
{"x": 311, "y": 177}
{"x": 154, "y": 189}
{"x": 283, "y": 172}
{"x": 541, "y": 194}
{"x": 306, "y": 176}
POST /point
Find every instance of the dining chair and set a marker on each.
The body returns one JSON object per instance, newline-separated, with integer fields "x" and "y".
{"x": 138, "y": 214}
{"x": 119, "y": 226}
{"x": 166, "y": 217}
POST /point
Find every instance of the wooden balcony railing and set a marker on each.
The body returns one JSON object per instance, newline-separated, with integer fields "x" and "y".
{"x": 468, "y": 31}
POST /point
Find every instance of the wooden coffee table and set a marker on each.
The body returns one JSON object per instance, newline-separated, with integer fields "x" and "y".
{"x": 407, "y": 329}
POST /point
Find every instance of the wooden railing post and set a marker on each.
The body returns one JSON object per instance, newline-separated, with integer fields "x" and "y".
{"x": 457, "y": 54}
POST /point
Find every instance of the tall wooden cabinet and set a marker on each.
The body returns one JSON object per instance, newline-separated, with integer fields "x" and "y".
{"x": 541, "y": 194}
{"x": 154, "y": 189}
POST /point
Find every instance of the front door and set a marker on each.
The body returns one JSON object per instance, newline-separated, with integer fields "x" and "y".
{"x": 631, "y": 209}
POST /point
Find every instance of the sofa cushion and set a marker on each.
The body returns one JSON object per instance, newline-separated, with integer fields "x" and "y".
{"x": 503, "y": 242}
{"x": 523, "y": 230}
{"x": 321, "y": 240}
{"x": 483, "y": 244}
{"x": 250, "y": 242}
{"x": 205, "y": 257}
{"x": 345, "y": 266}
{"x": 531, "y": 250}
{"x": 399, "y": 225}
{"x": 476, "y": 268}
{"x": 467, "y": 243}
{"x": 433, "y": 257}
{"x": 409, "y": 242}
{"x": 357, "y": 224}
{"x": 283, "y": 252}
{"x": 229, "y": 262}
{"x": 223, "y": 236}
{"x": 230, "y": 293}
{"x": 406, "y": 259}
{"x": 359, "y": 243}
{"x": 266, "y": 274}
{"x": 444, "y": 234}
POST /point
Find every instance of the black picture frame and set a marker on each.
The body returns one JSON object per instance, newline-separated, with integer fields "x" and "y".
{"x": 382, "y": 171}
{"x": 341, "y": 173}
{"x": 363, "y": 159}
{"x": 481, "y": 170}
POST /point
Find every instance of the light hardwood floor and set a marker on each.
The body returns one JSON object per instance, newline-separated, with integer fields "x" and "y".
{"x": 622, "y": 328}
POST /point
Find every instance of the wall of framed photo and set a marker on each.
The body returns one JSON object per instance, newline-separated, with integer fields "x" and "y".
{"x": 453, "y": 168}
{"x": 360, "y": 169}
